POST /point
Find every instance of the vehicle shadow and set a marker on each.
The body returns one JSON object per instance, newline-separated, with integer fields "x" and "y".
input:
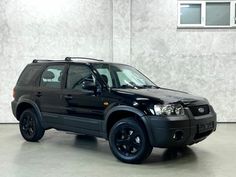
{"x": 84, "y": 140}
{"x": 100, "y": 147}
{"x": 182, "y": 155}
{"x": 92, "y": 143}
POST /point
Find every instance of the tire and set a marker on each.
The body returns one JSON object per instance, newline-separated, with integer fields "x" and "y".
{"x": 129, "y": 142}
{"x": 30, "y": 127}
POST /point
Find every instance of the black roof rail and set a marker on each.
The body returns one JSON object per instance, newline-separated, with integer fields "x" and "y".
{"x": 81, "y": 58}
{"x": 66, "y": 59}
{"x": 37, "y": 60}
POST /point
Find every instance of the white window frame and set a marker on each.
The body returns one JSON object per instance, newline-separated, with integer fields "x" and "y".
{"x": 190, "y": 2}
{"x": 233, "y": 13}
{"x": 203, "y": 14}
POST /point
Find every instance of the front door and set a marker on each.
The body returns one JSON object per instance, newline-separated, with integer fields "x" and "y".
{"x": 83, "y": 107}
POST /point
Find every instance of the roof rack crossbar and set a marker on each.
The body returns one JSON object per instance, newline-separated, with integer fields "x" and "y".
{"x": 81, "y": 58}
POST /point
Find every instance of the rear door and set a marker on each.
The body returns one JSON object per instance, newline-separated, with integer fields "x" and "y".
{"x": 48, "y": 94}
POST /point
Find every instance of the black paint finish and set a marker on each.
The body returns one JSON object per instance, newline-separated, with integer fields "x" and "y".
{"x": 91, "y": 111}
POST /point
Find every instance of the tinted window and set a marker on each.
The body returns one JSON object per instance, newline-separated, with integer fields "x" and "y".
{"x": 105, "y": 75}
{"x": 122, "y": 76}
{"x": 27, "y": 75}
{"x": 77, "y": 74}
{"x": 51, "y": 77}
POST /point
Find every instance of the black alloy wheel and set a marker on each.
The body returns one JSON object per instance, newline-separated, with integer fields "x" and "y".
{"x": 129, "y": 141}
{"x": 30, "y": 128}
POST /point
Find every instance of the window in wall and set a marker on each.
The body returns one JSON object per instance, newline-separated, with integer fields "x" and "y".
{"x": 218, "y": 14}
{"x": 234, "y": 12}
{"x": 206, "y": 14}
{"x": 190, "y": 14}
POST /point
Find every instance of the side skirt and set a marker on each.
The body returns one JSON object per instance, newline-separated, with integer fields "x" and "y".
{"x": 87, "y": 126}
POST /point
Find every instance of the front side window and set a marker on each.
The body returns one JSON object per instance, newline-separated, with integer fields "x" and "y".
{"x": 123, "y": 76}
{"x": 77, "y": 75}
{"x": 51, "y": 77}
{"x": 106, "y": 76}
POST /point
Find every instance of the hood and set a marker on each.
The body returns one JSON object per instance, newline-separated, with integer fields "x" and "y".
{"x": 163, "y": 95}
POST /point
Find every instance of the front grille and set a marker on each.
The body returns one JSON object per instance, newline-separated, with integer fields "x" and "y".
{"x": 199, "y": 110}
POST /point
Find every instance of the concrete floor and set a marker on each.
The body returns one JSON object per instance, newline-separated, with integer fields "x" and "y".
{"x": 60, "y": 154}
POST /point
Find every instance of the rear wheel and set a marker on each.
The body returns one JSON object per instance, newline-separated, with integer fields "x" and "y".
{"x": 129, "y": 141}
{"x": 30, "y": 128}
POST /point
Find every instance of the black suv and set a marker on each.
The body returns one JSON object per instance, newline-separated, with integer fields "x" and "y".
{"x": 111, "y": 101}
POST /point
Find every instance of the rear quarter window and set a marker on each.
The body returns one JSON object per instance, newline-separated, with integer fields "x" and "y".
{"x": 26, "y": 77}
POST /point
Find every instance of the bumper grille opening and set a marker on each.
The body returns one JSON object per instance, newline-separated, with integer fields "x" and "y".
{"x": 199, "y": 110}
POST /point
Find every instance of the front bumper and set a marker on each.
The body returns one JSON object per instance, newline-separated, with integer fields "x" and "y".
{"x": 176, "y": 131}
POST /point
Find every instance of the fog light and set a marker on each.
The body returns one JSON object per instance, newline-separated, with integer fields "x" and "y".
{"x": 178, "y": 135}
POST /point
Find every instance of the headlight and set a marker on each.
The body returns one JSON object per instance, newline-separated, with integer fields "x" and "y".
{"x": 169, "y": 109}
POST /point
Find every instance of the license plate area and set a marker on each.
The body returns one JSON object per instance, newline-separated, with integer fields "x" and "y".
{"x": 205, "y": 127}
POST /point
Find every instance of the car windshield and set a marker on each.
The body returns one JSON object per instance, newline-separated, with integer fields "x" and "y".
{"x": 123, "y": 76}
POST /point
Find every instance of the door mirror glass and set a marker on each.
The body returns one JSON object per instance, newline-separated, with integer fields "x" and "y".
{"x": 89, "y": 85}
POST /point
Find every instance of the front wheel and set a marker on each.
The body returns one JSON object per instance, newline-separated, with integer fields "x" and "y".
{"x": 30, "y": 127}
{"x": 129, "y": 142}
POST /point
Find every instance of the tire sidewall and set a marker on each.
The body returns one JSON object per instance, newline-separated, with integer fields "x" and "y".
{"x": 38, "y": 130}
{"x": 129, "y": 123}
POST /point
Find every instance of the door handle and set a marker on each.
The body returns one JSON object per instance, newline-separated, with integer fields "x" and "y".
{"x": 69, "y": 97}
{"x": 38, "y": 94}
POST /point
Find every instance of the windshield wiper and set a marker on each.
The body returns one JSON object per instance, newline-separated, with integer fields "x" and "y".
{"x": 148, "y": 86}
{"x": 128, "y": 86}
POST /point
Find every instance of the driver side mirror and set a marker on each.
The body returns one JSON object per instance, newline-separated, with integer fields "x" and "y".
{"x": 89, "y": 85}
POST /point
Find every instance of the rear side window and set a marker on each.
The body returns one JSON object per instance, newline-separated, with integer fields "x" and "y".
{"x": 27, "y": 75}
{"x": 51, "y": 77}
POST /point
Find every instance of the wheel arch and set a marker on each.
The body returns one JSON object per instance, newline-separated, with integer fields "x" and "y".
{"x": 119, "y": 112}
{"x": 25, "y": 104}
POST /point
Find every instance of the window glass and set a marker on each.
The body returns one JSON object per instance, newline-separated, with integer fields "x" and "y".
{"x": 124, "y": 76}
{"x": 235, "y": 13}
{"x": 218, "y": 14}
{"x": 77, "y": 74}
{"x": 27, "y": 75}
{"x": 127, "y": 77}
{"x": 105, "y": 75}
{"x": 51, "y": 77}
{"x": 190, "y": 14}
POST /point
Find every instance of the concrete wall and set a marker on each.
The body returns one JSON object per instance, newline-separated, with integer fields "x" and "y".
{"x": 200, "y": 61}
{"x": 140, "y": 32}
{"x": 49, "y": 29}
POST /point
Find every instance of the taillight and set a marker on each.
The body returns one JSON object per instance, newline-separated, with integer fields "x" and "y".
{"x": 14, "y": 93}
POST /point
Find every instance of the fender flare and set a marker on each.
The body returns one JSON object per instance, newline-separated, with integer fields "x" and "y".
{"x": 34, "y": 105}
{"x": 141, "y": 115}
